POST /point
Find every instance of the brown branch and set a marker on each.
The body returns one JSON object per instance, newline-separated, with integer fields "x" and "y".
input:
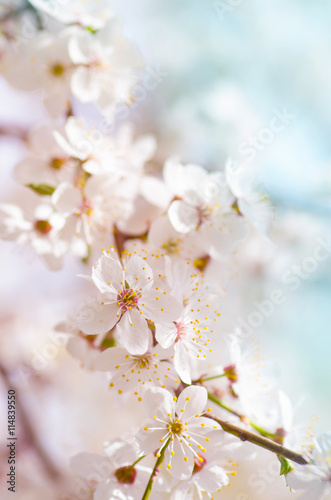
{"x": 13, "y": 13}
{"x": 261, "y": 441}
{"x": 13, "y": 131}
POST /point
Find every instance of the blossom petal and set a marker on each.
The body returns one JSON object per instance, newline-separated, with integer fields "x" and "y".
{"x": 138, "y": 273}
{"x": 120, "y": 452}
{"x": 193, "y": 399}
{"x": 159, "y": 402}
{"x": 107, "y": 275}
{"x": 67, "y": 198}
{"x": 96, "y": 318}
{"x": 84, "y": 85}
{"x": 207, "y": 424}
{"x": 110, "y": 358}
{"x": 181, "y": 490}
{"x": 91, "y": 466}
{"x": 79, "y": 47}
{"x": 181, "y": 362}
{"x": 180, "y": 468}
{"x": 149, "y": 440}
{"x": 156, "y": 192}
{"x": 165, "y": 334}
{"x": 183, "y": 217}
{"x": 133, "y": 333}
{"x": 212, "y": 478}
{"x": 160, "y": 307}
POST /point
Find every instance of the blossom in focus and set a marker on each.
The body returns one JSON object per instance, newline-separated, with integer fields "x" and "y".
{"x": 179, "y": 425}
{"x": 191, "y": 334}
{"x": 131, "y": 297}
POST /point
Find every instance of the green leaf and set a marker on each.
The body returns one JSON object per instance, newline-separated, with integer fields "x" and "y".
{"x": 87, "y": 256}
{"x": 107, "y": 343}
{"x": 42, "y": 189}
{"x": 91, "y": 30}
{"x": 285, "y": 466}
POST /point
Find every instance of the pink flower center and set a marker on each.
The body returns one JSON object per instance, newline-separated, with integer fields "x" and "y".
{"x": 181, "y": 330}
{"x": 128, "y": 299}
{"x": 199, "y": 463}
{"x": 231, "y": 373}
{"x": 86, "y": 207}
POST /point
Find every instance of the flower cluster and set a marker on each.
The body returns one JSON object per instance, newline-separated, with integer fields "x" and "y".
{"x": 158, "y": 245}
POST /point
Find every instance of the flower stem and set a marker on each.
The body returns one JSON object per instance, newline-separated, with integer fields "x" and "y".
{"x": 242, "y": 417}
{"x": 212, "y": 378}
{"x": 155, "y": 472}
{"x": 261, "y": 441}
{"x": 138, "y": 460}
{"x": 220, "y": 403}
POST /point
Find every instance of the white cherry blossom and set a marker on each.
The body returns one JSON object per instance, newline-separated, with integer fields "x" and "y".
{"x": 107, "y": 67}
{"x": 46, "y": 163}
{"x": 251, "y": 375}
{"x": 91, "y": 210}
{"x": 101, "y": 154}
{"x": 101, "y": 67}
{"x": 164, "y": 236}
{"x": 136, "y": 374}
{"x": 39, "y": 226}
{"x": 191, "y": 334}
{"x": 44, "y": 60}
{"x": 198, "y": 203}
{"x": 179, "y": 425}
{"x": 131, "y": 297}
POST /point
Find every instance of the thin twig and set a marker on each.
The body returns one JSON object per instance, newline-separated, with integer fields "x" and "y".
{"x": 261, "y": 441}
{"x": 12, "y": 130}
{"x": 14, "y": 12}
{"x": 220, "y": 403}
